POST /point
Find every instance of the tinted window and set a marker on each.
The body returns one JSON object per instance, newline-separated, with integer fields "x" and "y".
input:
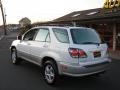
{"x": 30, "y": 35}
{"x": 61, "y": 35}
{"x": 43, "y": 35}
{"x": 85, "y": 36}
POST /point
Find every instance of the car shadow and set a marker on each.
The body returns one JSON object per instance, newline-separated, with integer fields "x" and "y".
{"x": 69, "y": 83}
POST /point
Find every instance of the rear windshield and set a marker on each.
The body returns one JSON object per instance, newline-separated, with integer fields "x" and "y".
{"x": 85, "y": 36}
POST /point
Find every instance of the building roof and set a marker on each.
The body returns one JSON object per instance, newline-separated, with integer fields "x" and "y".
{"x": 92, "y": 14}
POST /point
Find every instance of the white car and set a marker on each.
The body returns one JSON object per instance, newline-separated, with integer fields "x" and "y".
{"x": 72, "y": 51}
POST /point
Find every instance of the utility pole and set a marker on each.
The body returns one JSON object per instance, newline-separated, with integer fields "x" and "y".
{"x": 3, "y": 17}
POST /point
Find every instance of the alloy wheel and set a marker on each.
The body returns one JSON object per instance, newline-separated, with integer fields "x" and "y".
{"x": 14, "y": 56}
{"x": 49, "y": 73}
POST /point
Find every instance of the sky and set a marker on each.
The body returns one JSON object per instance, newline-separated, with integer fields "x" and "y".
{"x": 44, "y": 10}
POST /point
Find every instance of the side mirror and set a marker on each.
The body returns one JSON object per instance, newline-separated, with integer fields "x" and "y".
{"x": 19, "y": 37}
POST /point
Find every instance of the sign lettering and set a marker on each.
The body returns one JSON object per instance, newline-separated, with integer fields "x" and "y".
{"x": 111, "y": 3}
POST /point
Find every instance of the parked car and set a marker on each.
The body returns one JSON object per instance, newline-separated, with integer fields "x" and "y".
{"x": 72, "y": 51}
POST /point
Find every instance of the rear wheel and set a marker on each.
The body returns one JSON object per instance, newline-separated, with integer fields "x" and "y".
{"x": 50, "y": 72}
{"x": 14, "y": 58}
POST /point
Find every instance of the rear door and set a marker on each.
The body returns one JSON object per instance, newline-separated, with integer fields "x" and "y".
{"x": 40, "y": 44}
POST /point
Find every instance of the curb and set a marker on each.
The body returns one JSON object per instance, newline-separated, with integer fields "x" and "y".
{"x": 1, "y": 37}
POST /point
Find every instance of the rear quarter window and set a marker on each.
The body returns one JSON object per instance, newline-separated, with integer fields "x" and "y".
{"x": 61, "y": 35}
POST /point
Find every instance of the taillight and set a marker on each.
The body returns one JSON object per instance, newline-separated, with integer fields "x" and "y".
{"x": 74, "y": 52}
{"x": 77, "y": 53}
{"x": 82, "y": 54}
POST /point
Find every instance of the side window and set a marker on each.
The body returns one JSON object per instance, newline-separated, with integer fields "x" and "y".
{"x": 61, "y": 35}
{"x": 43, "y": 35}
{"x": 30, "y": 35}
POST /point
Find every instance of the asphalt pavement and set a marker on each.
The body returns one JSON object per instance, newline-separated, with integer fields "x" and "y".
{"x": 28, "y": 76}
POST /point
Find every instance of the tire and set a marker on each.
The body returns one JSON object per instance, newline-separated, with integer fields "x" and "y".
{"x": 15, "y": 60}
{"x": 50, "y": 72}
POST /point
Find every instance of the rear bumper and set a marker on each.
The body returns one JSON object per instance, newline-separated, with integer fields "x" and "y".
{"x": 78, "y": 70}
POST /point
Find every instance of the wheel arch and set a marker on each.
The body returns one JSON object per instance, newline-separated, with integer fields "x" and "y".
{"x": 47, "y": 58}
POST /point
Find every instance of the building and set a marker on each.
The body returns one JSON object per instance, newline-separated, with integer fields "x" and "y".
{"x": 106, "y": 21}
{"x": 24, "y": 22}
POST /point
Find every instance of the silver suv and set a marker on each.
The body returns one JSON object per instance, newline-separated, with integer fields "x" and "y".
{"x": 73, "y": 51}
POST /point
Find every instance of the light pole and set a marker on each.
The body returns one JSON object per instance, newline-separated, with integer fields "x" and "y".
{"x": 3, "y": 17}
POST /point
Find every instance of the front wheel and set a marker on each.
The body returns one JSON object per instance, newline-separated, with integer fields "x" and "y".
{"x": 14, "y": 58}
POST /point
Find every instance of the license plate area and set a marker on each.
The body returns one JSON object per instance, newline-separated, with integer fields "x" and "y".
{"x": 97, "y": 54}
